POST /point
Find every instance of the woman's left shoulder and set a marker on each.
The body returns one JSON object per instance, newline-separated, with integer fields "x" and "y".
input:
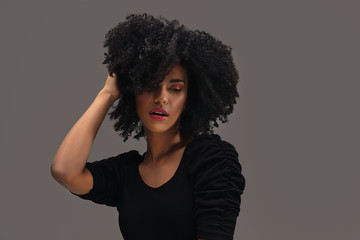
{"x": 209, "y": 144}
{"x": 210, "y": 150}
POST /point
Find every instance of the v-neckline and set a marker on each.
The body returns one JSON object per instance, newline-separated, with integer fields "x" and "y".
{"x": 164, "y": 185}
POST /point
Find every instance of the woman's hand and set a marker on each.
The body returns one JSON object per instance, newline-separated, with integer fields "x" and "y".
{"x": 110, "y": 87}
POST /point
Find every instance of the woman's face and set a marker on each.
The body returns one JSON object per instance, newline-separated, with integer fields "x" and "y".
{"x": 170, "y": 96}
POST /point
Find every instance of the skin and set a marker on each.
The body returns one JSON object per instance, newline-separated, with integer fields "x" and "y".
{"x": 164, "y": 144}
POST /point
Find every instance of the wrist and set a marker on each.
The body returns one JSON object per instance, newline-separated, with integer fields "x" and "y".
{"x": 108, "y": 95}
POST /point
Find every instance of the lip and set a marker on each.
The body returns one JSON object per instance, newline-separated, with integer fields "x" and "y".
{"x": 156, "y": 117}
{"x": 159, "y": 110}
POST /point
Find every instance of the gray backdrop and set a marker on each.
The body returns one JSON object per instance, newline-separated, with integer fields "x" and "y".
{"x": 296, "y": 124}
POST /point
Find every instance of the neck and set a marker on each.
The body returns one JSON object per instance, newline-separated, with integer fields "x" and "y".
{"x": 162, "y": 145}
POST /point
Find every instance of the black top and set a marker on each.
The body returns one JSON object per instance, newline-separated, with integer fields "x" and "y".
{"x": 201, "y": 200}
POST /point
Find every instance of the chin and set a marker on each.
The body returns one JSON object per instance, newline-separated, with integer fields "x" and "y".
{"x": 158, "y": 127}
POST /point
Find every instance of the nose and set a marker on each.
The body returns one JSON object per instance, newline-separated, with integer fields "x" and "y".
{"x": 160, "y": 95}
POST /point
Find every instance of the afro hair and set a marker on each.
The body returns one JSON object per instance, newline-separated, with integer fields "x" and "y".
{"x": 143, "y": 49}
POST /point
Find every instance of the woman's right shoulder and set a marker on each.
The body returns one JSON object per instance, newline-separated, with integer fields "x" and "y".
{"x": 128, "y": 157}
{"x": 120, "y": 160}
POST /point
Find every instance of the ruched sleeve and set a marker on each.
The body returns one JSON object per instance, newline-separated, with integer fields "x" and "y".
{"x": 108, "y": 179}
{"x": 218, "y": 186}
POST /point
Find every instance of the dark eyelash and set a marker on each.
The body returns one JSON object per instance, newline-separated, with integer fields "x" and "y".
{"x": 176, "y": 90}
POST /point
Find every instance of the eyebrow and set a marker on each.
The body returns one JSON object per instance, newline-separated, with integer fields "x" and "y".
{"x": 176, "y": 80}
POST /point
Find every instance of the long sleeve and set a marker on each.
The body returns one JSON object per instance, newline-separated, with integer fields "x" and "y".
{"x": 218, "y": 186}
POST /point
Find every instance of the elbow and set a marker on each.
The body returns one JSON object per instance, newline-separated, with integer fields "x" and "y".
{"x": 58, "y": 174}
{"x": 55, "y": 171}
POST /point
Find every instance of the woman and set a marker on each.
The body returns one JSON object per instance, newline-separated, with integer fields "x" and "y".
{"x": 172, "y": 85}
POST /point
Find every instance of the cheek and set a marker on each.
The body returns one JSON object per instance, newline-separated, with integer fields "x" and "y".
{"x": 140, "y": 104}
{"x": 180, "y": 104}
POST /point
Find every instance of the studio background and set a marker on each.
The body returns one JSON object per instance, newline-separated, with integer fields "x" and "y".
{"x": 295, "y": 126}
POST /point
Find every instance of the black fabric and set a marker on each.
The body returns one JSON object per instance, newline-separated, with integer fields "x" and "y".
{"x": 202, "y": 199}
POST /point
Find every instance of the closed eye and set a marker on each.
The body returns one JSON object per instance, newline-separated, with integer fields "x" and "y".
{"x": 176, "y": 89}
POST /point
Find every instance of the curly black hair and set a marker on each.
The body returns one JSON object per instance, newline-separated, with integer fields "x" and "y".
{"x": 143, "y": 49}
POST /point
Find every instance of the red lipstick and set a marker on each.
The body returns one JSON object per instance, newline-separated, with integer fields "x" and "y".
{"x": 158, "y": 114}
{"x": 158, "y": 117}
{"x": 160, "y": 111}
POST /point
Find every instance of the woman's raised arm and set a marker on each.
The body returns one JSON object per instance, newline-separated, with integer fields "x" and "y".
{"x": 68, "y": 165}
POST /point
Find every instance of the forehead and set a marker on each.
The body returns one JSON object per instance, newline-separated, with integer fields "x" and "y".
{"x": 177, "y": 74}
